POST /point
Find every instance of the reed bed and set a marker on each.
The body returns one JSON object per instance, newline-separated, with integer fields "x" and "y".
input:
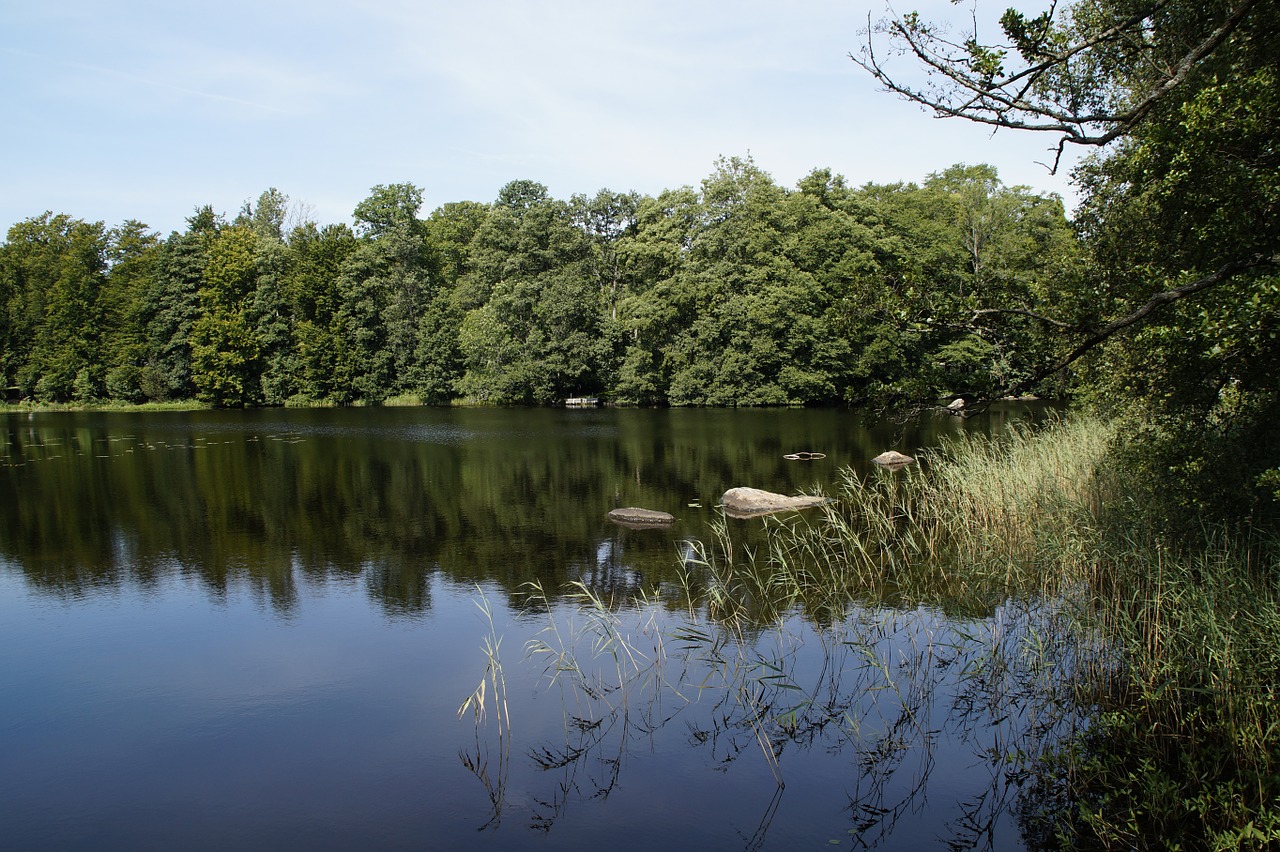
{"x": 979, "y": 520}
{"x": 1186, "y": 741}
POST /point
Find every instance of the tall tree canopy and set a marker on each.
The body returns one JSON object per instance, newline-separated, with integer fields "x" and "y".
{"x": 52, "y": 271}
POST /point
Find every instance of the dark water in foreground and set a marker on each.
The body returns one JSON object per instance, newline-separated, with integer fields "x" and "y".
{"x": 254, "y": 630}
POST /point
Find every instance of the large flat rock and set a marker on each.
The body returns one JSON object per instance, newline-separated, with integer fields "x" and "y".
{"x": 632, "y": 516}
{"x": 746, "y": 502}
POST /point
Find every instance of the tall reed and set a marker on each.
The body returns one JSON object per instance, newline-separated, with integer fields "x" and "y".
{"x": 980, "y": 519}
{"x": 491, "y": 768}
{"x": 1186, "y": 740}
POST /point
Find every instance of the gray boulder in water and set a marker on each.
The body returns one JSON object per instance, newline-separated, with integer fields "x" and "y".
{"x": 632, "y": 516}
{"x": 893, "y": 459}
{"x": 745, "y": 502}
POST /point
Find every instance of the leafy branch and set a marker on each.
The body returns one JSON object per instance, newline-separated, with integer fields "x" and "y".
{"x": 1098, "y": 336}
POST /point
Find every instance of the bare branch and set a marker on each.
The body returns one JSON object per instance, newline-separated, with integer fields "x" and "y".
{"x": 1025, "y": 312}
{"x": 1009, "y": 101}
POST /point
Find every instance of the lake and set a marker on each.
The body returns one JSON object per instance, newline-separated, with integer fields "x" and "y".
{"x": 256, "y": 630}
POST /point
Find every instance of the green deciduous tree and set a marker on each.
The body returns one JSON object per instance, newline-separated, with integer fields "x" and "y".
{"x": 268, "y": 216}
{"x": 318, "y": 256}
{"x": 385, "y": 287}
{"x": 534, "y": 331}
{"x": 648, "y": 313}
{"x": 742, "y": 293}
{"x": 170, "y": 306}
{"x": 52, "y": 271}
{"x": 225, "y": 350}
{"x": 133, "y": 250}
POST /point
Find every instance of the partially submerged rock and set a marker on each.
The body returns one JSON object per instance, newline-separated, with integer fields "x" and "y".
{"x": 747, "y": 502}
{"x": 893, "y": 460}
{"x": 632, "y": 516}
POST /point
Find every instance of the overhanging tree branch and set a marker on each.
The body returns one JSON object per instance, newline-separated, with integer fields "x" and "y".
{"x": 975, "y": 87}
{"x": 1022, "y": 312}
{"x": 1223, "y": 274}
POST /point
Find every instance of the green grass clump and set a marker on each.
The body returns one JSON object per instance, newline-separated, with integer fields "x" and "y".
{"x": 979, "y": 520}
{"x": 404, "y": 400}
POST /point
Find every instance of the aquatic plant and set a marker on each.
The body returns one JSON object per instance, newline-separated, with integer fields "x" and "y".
{"x": 492, "y": 768}
{"x": 879, "y": 684}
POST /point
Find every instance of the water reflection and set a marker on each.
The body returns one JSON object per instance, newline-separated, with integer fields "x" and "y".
{"x": 637, "y": 675}
{"x": 280, "y": 497}
{"x": 891, "y": 695}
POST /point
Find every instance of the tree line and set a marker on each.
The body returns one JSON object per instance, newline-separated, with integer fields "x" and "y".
{"x": 739, "y": 292}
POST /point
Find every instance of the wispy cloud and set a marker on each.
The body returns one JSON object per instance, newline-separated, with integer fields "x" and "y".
{"x": 325, "y": 98}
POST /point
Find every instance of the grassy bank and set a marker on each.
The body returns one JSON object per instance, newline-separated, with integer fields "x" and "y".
{"x": 1174, "y": 646}
{"x": 1186, "y": 743}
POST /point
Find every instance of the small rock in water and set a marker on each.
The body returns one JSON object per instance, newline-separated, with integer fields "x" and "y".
{"x": 644, "y": 517}
{"x": 893, "y": 459}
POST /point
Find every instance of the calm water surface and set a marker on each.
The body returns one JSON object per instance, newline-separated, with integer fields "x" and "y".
{"x": 254, "y": 630}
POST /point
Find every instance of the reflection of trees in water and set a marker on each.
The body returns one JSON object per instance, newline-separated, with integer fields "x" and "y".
{"x": 883, "y": 688}
{"x": 272, "y": 513}
{"x": 272, "y": 500}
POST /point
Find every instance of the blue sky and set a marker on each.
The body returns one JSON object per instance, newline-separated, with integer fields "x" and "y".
{"x": 146, "y": 110}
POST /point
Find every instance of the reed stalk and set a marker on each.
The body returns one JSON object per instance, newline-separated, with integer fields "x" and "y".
{"x": 493, "y": 679}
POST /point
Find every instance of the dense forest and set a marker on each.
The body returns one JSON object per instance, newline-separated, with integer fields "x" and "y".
{"x": 741, "y": 292}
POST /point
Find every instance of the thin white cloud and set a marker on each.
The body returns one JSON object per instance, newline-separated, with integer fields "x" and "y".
{"x": 112, "y": 76}
{"x": 178, "y": 105}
